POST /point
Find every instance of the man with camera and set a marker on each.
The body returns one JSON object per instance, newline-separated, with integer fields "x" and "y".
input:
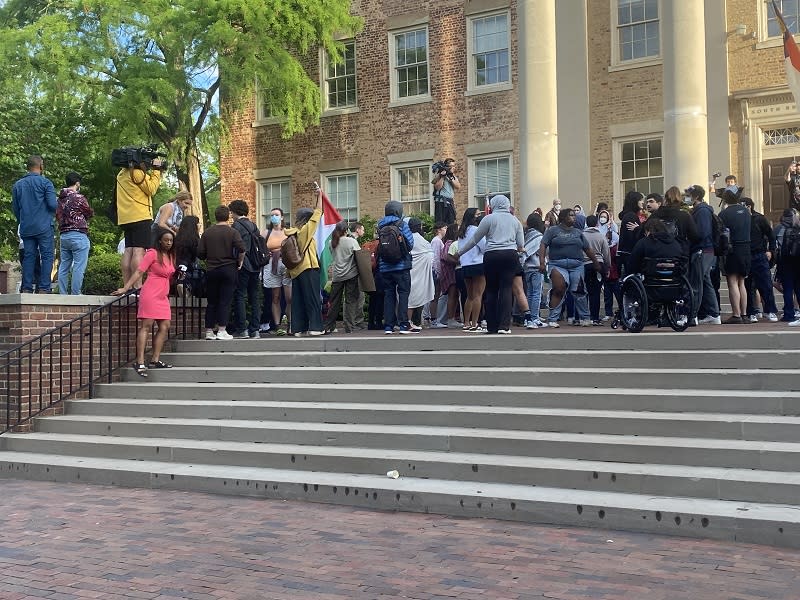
{"x": 137, "y": 183}
{"x": 793, "y": 181}
{"x": 445, "y": 183}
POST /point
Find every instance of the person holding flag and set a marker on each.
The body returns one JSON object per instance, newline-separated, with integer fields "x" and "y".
{"x": 791, "y": 56}
{"x": 306, "y": 301}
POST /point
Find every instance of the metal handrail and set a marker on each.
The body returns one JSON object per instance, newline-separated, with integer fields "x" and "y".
{"x": 73, "y": 357}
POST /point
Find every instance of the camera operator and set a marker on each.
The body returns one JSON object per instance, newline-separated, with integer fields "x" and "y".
{"x": 136, "y": 187}
{"x": 445, "y": 183}
{"x": 793, "y": 181}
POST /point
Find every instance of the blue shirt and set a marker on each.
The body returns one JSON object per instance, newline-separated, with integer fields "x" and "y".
{"x": 405, "y": 264}
{"x": 33, "y": 200}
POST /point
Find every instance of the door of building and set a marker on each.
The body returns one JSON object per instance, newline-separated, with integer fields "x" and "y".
{"x": 776, "y": 192}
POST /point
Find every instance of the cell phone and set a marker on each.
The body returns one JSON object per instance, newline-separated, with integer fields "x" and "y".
{"x": 316, "y": 186}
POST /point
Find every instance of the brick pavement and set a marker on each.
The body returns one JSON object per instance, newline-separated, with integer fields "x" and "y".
{"x": 72, "y": 542}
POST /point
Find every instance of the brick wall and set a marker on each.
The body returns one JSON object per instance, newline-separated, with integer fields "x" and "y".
{"x": 446, "y": 124}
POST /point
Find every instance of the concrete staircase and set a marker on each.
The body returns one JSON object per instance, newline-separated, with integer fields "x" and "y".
{"x": 694, "y": 434}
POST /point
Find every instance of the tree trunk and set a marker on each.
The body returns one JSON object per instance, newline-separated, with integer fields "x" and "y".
{"x": 190, "y": 177}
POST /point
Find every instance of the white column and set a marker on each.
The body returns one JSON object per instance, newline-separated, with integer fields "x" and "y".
{"x": 685, "y": 104}
{"x": 538, "y": 111}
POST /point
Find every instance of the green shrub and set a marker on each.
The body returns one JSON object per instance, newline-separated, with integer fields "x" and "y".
{"x": 103, "y": 274}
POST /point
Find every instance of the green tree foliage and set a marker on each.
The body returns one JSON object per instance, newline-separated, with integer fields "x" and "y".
{"x": 161, "y": 63}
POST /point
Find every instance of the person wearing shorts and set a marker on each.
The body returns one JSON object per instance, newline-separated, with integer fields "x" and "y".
{"x": 136, "y": 187}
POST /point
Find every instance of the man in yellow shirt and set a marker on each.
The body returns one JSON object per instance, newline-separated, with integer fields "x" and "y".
{"x": 135, "y": 190}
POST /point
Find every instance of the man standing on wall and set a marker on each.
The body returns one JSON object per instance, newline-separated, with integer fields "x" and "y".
{"x": 33, "y": 201}
{"x": 445, "y": 183}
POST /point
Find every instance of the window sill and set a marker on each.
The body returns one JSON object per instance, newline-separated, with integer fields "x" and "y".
{"x": 489, "y": 89}
{"x": 775, "y": 42}
{"x": 636, "y": 64}
{"x": 335, "y": 112}
{"x": 412, "y": 100}
{"x": 265, "y": 122}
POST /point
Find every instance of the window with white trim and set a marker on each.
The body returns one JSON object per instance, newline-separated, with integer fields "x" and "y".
{"x": 489, "y": 46}
{"x": 641, "y": 166}
{"x": 491, "y": 176}
{"x": 342, "y": 191}
{"x": 790, "y": 9}
{"x": 275, "y": 194}
{"x": 411, "y": 185}
{"x": 409, "y": 64}
{"x": 340, "y": 79}
{"x": 637, "y": 30}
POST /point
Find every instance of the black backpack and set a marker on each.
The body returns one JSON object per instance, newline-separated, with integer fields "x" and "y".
{"x": 790, "y": 243}
{"x": 257, "y": 253}
{"x": 720, "y": 236}
{"x": 392, "y": 247}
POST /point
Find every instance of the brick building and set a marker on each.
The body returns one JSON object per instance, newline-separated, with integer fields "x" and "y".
{"x": 580, "y": 99}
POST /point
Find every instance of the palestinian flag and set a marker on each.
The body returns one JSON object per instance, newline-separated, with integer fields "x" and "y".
{"x": 791, "y": 57}
{"x": 327, "y": 223}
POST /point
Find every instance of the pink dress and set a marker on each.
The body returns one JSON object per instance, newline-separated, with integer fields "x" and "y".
{"x": 153, "y": 297}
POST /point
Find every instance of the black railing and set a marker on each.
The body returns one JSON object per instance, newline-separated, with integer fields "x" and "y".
{"x": 71, "y": 358}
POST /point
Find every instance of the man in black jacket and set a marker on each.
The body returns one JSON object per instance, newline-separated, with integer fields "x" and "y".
{"x": 703, "y": 259}
{"x": 671, "y": 213}
{"x": 247, "y": 283}
{"x": 762, "y": 248}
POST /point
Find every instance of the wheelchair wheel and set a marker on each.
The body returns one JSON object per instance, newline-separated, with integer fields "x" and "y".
{"x": 634, "y": 310}
{"x": 679, "y": 313}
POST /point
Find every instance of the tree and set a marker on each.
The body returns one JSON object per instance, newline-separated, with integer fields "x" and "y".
{"x": 161, "y": 63}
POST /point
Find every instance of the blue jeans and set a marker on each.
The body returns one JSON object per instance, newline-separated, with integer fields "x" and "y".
{"x": 74, "y": 257}
{"x": 37, "y": 246}
{"x": 533, "y": 290}
{"x": 788, "y": 272}
{"x": 572, "y": 273}
{"x": 397, "y": 285}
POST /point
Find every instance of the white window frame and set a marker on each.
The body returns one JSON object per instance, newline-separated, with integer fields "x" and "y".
{"x": 324, "y": 64}
{"x": 617, "y": 64}
{"x": 472, "y": 84}
{"x": 261, "y": 118}
{"x": 477, "y": 197}
{"x": 764, "y": 39}
{"x": 265, "y": 206}
{"x": 326, "y": 177}
{"x": 396, "y": 99}
{"x": 396, "y": 187}
{"x": 616, "y": 156}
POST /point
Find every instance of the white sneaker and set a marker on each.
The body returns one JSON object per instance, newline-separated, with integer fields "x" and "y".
{"x": 504, "y": 331}
{"x": 316, "y": 333}
{"x": 711, "y": 321}
{"x": 570, "y": 321}
{"x": 553, "y": 324}
{"x": 606, "y": 318}
{"x": 224, "y": 335}
{"x": 760, "y": 315}
{"x": 530, "y": 324}
{"x": 753, "y": 318}
{"x": 483, "y": 323}
{"x": 795, "y": 323}
{"x": 437, "y": 325}
{"x": 537, "y": 323}
{"x": 454, "y": 324}
{"x": 797, "y": 314}
{"x": 772, "y": 317}
{"x": 210, "y": 335}
{"x": 585, "y": 323}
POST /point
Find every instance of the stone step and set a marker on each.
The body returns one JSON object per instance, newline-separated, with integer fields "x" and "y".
{"x": 602, "y": 398}
{"x": 602, "y": 359}
{"x": 746, "y": 454}
{"x": 708, "y": 425}
{"x": 715, "y": 379}
{"x": 710, "y": 338}
{"x": 697, "y": 482}
{"x": 774, "y": 524}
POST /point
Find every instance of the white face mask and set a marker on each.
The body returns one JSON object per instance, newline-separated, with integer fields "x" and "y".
{"x": 557, "y": 207}
{"x": 687, "y": 199}
{"x": 603, "y": 220}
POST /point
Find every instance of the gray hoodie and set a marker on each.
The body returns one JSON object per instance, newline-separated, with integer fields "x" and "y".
{"x": 501, "y": 229}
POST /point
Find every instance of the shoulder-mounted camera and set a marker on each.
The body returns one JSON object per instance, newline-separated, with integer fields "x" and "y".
{"x": 132, "y": 156}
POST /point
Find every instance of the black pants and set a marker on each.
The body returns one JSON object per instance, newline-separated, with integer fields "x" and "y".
{"x": 760, "y": 279}
{"x": 375, "y": 309}
{"x": 220, "y": 284}
{"x": 306, "y": 302}
{"x": 443, "y": 210}
{"x": 396, "y": 287}
{"x": 246, "y": 288}
{"x": 593, "y": 289}
{"x": 500, "y": 268}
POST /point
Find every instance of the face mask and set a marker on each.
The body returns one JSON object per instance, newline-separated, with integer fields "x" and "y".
{"x": 603, "y": 220}
{"x": 275, "y": 220}
{"x": 557, "y": 207}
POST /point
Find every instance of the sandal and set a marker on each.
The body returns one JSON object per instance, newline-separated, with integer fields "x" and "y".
{"x": 159, "y": 364}
{"x": 141, "y": 370}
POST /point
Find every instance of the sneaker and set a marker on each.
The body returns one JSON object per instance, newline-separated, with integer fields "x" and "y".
{"x": 530, "y": 324}
{"x": 570, "y": 321}
{"x": 772, "y": 317}
{"x": 406, "y": 330}
{"x": 795, "y": 323}
{"x": 606, "y": 318}
{"x": 264, "y": 328}
{"x": 759, "y": 315}
{"x": 503, "y": 331}
{"x": 585, "y": 323}
{"x": 711, "y": 320}
{"x": 437, "y": 325}
{"x": 796, "y": 314}
{"x": 597, "y": 323}
{"x": 253, "y": 335}
{"x": 224, "y": 335}
{"x": 210, "y": 335}
{"x": 753, "y": 318}
{"x": 414, "y": 327}
{"x": 483, "y": 323}
{"x": 538, "y": 323}
{"x": 316, "y": 333}
{"x": 553, "y": 324}
{"x": 454, "y": 324}
{"x": 241, "y": 335}
{"x": 280, "y": 332}
{"x": 734, "y": 320}
{"x": 388, "y": 331}
{"x": 298, "y": 334}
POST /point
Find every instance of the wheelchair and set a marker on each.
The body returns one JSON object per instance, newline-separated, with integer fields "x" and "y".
{"x": 661, "y": 295}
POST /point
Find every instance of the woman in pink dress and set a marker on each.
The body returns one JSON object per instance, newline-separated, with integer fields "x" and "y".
{"x": 159, "y": 264}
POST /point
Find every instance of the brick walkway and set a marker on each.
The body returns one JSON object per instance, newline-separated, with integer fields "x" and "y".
{"x": 67, "y": 541}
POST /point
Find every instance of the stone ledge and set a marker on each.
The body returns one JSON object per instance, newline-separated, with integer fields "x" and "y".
{"x": 54, "y": 300}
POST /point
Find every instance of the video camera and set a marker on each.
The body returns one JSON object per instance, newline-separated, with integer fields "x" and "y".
{"x": 131, "y": 156}
{"x": 441, "y": 166}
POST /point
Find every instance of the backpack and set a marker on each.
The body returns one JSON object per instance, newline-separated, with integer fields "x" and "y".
{"x": 672, "y": 228}
{"x": 391, "y": 244}
{"x": 257, "y": 252}
{"x": 291, "y": 255}
{"x": 720, "y": 236}
{"x": 790, "y": 243}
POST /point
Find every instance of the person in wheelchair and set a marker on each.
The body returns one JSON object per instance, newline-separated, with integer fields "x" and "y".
{"x": 657, "y": 291}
